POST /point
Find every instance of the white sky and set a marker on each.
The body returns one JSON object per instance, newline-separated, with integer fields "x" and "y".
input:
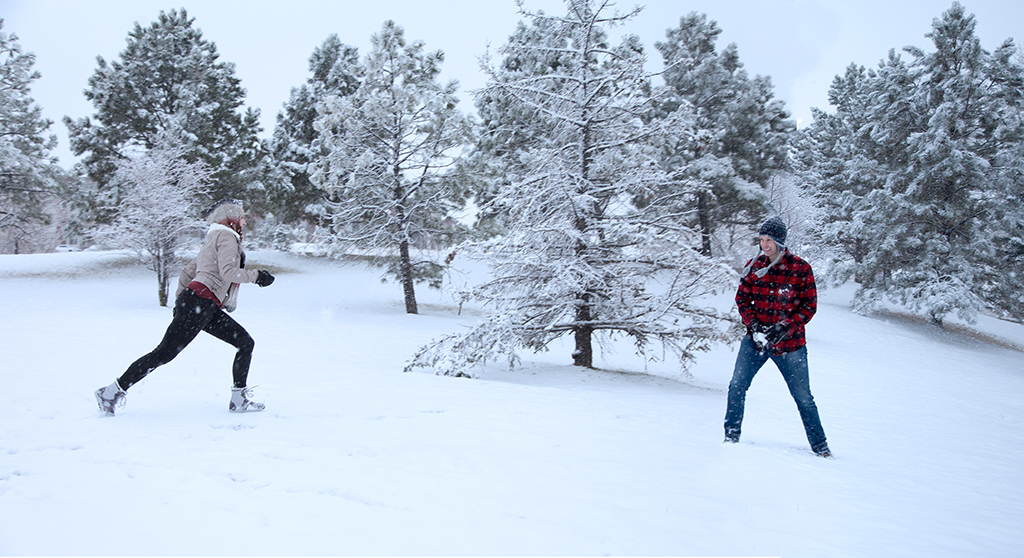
{"x": 801, "y": 44}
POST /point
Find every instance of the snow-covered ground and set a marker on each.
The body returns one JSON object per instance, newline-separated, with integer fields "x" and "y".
{"x": 355, "y": 457}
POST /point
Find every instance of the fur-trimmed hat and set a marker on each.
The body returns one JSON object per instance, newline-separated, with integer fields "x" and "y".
{"x": 225, "y": 209}
{"x": 775, "y": 229}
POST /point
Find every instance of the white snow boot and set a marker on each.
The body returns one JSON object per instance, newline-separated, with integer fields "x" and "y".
{"x": 240, "y": 402}
{"x": 109, "y": 397}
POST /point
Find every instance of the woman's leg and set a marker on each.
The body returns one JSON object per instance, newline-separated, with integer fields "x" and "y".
{"x": 191, "y": 313}
{"x": 225, "y": 328}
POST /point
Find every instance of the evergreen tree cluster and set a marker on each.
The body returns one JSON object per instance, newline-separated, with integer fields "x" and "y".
{"x": 296, "y": 143}
{"x": 919, "y": 174}
{"x": 168, "y": 82}
{"x": 580, "y": 257}
{"x": 610, "y": 199}
{"x": 742, "y": 135}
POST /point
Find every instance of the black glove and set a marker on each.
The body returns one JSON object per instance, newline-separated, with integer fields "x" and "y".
{"x": 265, "y": 278}
{"x": 758, "y": 327}
{"x": 777, "y": 332}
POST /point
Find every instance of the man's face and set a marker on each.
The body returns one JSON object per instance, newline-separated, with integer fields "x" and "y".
{"x": 769, "y": 247}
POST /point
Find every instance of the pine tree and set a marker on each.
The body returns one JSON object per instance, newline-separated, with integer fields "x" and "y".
{"x": 168, "y": 80}
{"x": 580, "y": 258}
{"x": 28, "y": 173}
{"x": 974, "y": 107}
{"x": 296, "y": 143}
{"x": 1005, "y": 291}
{"x": 388, "y": 145}
{"x": 158, "y": 208}
{"x": 506, "y": 127}
{"x": 743, "y": 132}
{"x": 921, "y": 162}
{"x": 840, "y": 161}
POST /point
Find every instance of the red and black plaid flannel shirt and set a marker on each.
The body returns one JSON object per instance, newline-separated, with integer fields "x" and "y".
{"x": 787, "y": 293}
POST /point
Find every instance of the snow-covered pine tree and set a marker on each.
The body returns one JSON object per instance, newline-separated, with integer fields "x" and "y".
{"x": 1005, "y": 293}
{"x": 158, "y": 207}
{"x": 388, "y": 145}
{"x": 840, "y": 163}
{"x": 168, "y": 80}
{"x": 926, "y": 188}
{"x": 333, "y": 68}
{"x": 506, "y": 127}
{"x": 580, "y": 258}
{"x": 743, "y": 133}
{"x": 953, "y": 185}
{"x": 28, "y": 173}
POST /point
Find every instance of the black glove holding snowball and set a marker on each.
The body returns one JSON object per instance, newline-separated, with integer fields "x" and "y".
{"x": 758, "y": 327}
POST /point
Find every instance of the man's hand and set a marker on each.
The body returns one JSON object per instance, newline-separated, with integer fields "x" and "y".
{"x": 758, "y": 327}
{"x": 777, "y": 332}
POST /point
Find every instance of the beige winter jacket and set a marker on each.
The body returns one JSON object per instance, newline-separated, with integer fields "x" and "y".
{"x": 217, "y": 266}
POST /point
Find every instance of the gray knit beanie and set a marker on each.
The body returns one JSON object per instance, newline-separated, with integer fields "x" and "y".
{"x": 225, "y": 209}
{"x": 775, "y": 229}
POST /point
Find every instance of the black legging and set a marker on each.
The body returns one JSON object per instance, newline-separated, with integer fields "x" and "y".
{"x": 193, "y": 314}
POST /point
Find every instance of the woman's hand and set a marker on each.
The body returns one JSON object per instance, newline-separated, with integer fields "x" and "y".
{"x": 265, "y": 278}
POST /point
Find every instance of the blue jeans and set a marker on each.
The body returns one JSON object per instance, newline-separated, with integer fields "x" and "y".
{"x": 793, "y": 367}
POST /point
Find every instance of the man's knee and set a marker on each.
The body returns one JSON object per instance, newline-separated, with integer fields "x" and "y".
{"x": 802, "y": 396}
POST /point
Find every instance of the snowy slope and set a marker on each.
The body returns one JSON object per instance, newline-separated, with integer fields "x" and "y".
{"x": 355, "y": 457}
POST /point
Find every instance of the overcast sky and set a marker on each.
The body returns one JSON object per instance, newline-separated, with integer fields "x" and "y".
{"x": 801, "y": 44}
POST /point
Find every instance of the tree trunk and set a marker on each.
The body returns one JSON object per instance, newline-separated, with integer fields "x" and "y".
{"x": 162, "y": 281}
{"x": 704, "y": 215}
{"x": 583, "y": 355}
{"x": 407, "y": 280}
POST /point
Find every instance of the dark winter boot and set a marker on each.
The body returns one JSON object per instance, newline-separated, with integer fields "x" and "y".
{"x": 732, "y": 436}
{"x": 109, "y": 397}
{"x": 240, "y": 402}
{"x": 823, "y": 451}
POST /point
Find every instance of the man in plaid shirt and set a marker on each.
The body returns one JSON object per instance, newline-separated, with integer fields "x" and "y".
{"x": 776, "y": 298}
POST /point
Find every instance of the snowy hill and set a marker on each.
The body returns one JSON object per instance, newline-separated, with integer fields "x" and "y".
{"x": 355, "y": 457}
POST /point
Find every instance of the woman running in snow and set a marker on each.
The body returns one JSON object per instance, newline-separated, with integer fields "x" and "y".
{"x": 207, "y": 287}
